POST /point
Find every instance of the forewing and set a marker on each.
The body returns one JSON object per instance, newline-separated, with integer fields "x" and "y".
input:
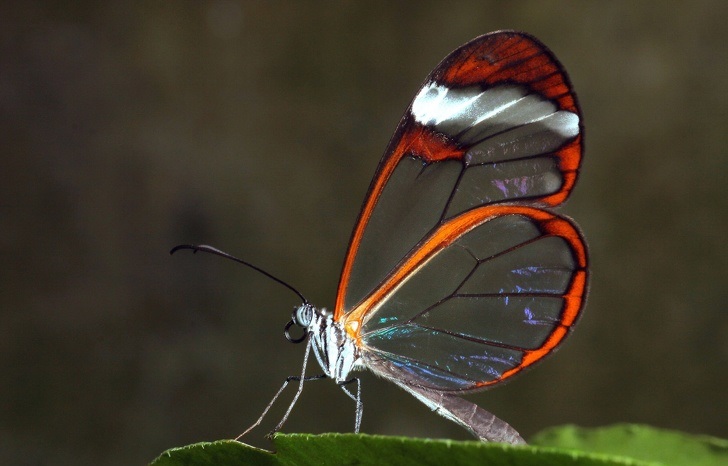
{"x": 495, "y": 123}
{"x": 491, "y": 292}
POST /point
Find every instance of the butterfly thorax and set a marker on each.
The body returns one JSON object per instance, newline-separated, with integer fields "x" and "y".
{"x": 334, "y": 349}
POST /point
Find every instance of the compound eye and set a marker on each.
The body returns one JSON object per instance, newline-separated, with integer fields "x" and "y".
{"x": 303, "y": 314}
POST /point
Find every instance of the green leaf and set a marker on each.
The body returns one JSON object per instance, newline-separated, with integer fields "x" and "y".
{"x": 221, "y": 452}
{"x": 641, "y": 442}
{"x": 362, "y": 450}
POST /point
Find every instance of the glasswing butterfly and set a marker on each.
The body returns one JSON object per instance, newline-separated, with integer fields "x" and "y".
{"x": 457, "y": 275}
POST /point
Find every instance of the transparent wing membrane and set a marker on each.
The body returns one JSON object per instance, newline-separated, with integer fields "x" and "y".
{"x": 478, "y": 421}
{"x": 470, "y": 312}
{"x": 410, "y": 204}
{"x": 460, "y": 364}
{"x": 492, "y": 183}
{"x": 420, "y": 196}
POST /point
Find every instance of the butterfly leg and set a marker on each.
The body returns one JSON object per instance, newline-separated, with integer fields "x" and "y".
{"x": 294, "y": 378}
{"x": 357, "y": 400}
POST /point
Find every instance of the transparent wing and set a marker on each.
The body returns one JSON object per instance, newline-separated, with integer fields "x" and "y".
{"x": 481, "y": 423}
{"x": 491, "y": 292}
{"x": 495, "y": 123}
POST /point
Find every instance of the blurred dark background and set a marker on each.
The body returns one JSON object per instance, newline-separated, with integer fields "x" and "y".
{"x": 129, "y": 127}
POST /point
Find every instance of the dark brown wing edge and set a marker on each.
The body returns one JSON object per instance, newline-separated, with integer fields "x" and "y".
{"x": 481, "y": 423}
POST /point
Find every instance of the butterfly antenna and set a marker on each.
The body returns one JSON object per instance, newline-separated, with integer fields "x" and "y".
{"x": 209, "y": 249}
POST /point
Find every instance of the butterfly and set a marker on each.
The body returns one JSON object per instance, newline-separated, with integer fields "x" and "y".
{"x": 458, "y": 276}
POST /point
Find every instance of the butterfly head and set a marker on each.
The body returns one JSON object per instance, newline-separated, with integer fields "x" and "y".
{"x": 301, "y": 317}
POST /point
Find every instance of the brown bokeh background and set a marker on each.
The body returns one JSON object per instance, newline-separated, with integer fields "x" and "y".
{"x": 129, "y": 127}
